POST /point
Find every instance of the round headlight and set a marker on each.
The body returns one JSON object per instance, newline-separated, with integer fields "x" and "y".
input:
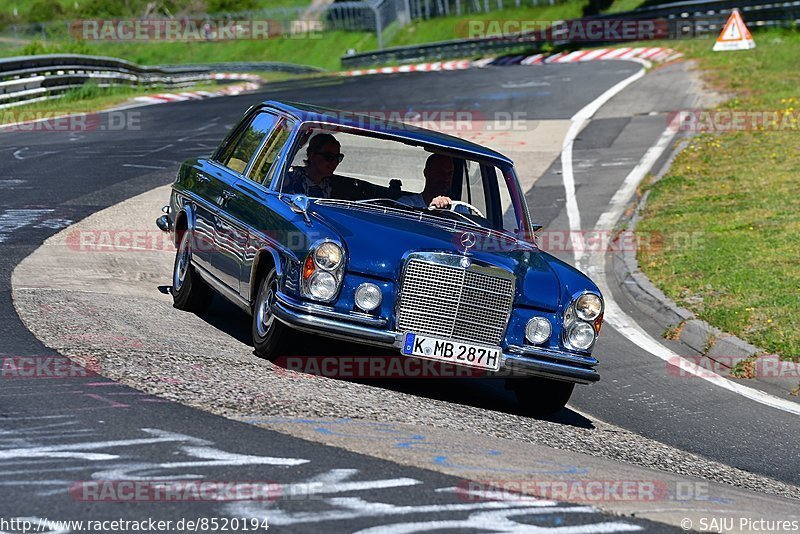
{"x": 322, "y": 285}
{"x": 581, "y": 336}
{"x": 588, "y": 307}
{"x": 328, "y": 256}
{"x": 538, "y": 330}
{"x": 368, "y": 296}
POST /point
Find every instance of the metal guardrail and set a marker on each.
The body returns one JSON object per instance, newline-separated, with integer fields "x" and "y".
{"x": 254, "y": 66}
{"x": 28, "y": 79}
{"x": 457, "y": 48}
{"x": 684, "y": 20}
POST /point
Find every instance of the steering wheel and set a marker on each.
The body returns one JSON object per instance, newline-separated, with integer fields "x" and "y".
{"x": 455, "y": 203}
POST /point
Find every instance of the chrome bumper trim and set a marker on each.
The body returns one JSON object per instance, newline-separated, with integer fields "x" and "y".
{"x": 305, "y": 320}
{"x": 304, "y": 317}
{"x": 325, "y": 311}
{"x": 561, "y": 357}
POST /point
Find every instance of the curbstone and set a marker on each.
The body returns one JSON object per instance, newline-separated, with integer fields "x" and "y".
{"x": 732, "y": 346}
{"x": 699, "y": 335}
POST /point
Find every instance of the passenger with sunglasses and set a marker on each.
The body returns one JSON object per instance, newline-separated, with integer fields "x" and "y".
{"x": 323, "y": 155}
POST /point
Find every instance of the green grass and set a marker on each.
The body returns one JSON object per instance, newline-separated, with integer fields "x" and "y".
{"x": 739, "y": 192}
{"x": 88, "y": 98}
{"x": 618, "y": 6}
{"x": 444, "y": 28}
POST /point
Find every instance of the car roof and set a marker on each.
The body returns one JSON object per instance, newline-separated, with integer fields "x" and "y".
{"x": 397, "y": 130}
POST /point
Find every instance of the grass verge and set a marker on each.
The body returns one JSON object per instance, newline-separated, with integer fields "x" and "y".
{"x": 736, "y": 192}
{"x": 87, "y": 99}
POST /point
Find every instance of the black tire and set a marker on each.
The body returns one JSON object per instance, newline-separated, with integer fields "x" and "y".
{"x": 189, "y": 291}
{"x": 540, "y": 395}
{"x": 267, "y": 331}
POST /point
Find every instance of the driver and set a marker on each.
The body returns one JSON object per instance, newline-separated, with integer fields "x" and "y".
{"x": 438, "y": 179}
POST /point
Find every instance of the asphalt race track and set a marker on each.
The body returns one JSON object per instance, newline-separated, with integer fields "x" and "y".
{"x": 58, "y": 432}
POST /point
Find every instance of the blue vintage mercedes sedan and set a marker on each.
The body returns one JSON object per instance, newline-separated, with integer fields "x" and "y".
{"x": 382, "y": 233}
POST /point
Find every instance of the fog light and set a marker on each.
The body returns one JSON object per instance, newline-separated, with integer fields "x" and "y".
{"x": 322, "y": 285}
{"x": 581, "y": 336}
{"x": 538, "y": 330}
{"x": 368, "y": 296}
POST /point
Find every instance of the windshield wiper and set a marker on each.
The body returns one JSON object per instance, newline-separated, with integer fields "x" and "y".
{"x": 449, "y": 212}
{"x": 383, "y": 200}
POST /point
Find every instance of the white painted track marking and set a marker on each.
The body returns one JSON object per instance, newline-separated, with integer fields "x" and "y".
{"x": 567, "y": 174}
{"x": 614, "y": 316}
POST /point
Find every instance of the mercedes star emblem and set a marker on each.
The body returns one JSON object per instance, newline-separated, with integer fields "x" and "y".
{"x": 468, "y": 240}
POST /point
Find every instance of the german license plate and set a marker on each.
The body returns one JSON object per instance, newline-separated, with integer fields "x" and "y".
{"x": 447, "y": 350}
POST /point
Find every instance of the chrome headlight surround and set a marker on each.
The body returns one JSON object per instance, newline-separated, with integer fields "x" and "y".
{"x": 579, "y": 319}
{"x": 322, "y": 272}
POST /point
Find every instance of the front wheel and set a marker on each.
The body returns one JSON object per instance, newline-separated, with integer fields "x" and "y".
{"x": 540, "y": 395}
{"x": 267, "y": 331}
{"x": 189, "y": 291}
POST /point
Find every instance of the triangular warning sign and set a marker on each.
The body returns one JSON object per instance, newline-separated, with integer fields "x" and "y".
{"x": 735, "y": 35}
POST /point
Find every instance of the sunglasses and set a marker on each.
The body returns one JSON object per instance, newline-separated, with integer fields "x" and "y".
{"x": 330, "y": 156}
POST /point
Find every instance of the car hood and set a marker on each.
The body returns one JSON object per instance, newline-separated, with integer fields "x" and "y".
{"x": 376, "y": 243}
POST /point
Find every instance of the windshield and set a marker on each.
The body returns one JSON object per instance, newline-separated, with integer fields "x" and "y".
{"x": 346, "y": 166}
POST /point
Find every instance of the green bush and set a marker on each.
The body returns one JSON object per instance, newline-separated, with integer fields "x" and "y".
{"x": 45, "y": 10}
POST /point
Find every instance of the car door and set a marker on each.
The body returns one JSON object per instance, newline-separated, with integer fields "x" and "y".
{"x": 230, "y": 234}
{"x": 253, "y": 206}
{"x": 203, "y": 182}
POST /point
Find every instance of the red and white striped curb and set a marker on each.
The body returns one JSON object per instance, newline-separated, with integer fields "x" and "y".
{"x": 162, "y": 98}
{"x": 418, "y": 67}
{"x": 656, "y": 55}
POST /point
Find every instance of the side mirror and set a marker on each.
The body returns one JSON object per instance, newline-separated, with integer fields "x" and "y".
{"x": 299, "y": 204}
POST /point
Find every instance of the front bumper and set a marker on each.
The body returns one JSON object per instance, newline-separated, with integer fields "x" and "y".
{"x": 362, "y": 328}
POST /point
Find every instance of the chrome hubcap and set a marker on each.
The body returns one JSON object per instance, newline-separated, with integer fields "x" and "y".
{"x": 264, "y": 316}
{"x": 182, "y": 265}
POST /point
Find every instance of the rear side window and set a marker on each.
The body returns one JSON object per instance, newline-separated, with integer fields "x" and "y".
{"x": 244, "y": 143}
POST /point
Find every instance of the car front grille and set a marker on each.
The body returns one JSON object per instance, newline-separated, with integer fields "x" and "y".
{"x": 452, "y": 302}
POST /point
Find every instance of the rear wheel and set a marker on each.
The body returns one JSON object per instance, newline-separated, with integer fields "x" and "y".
{"x": 540, "y": 395}
{"x": 189, "y": 292}
{"x": 268, "y": 332}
